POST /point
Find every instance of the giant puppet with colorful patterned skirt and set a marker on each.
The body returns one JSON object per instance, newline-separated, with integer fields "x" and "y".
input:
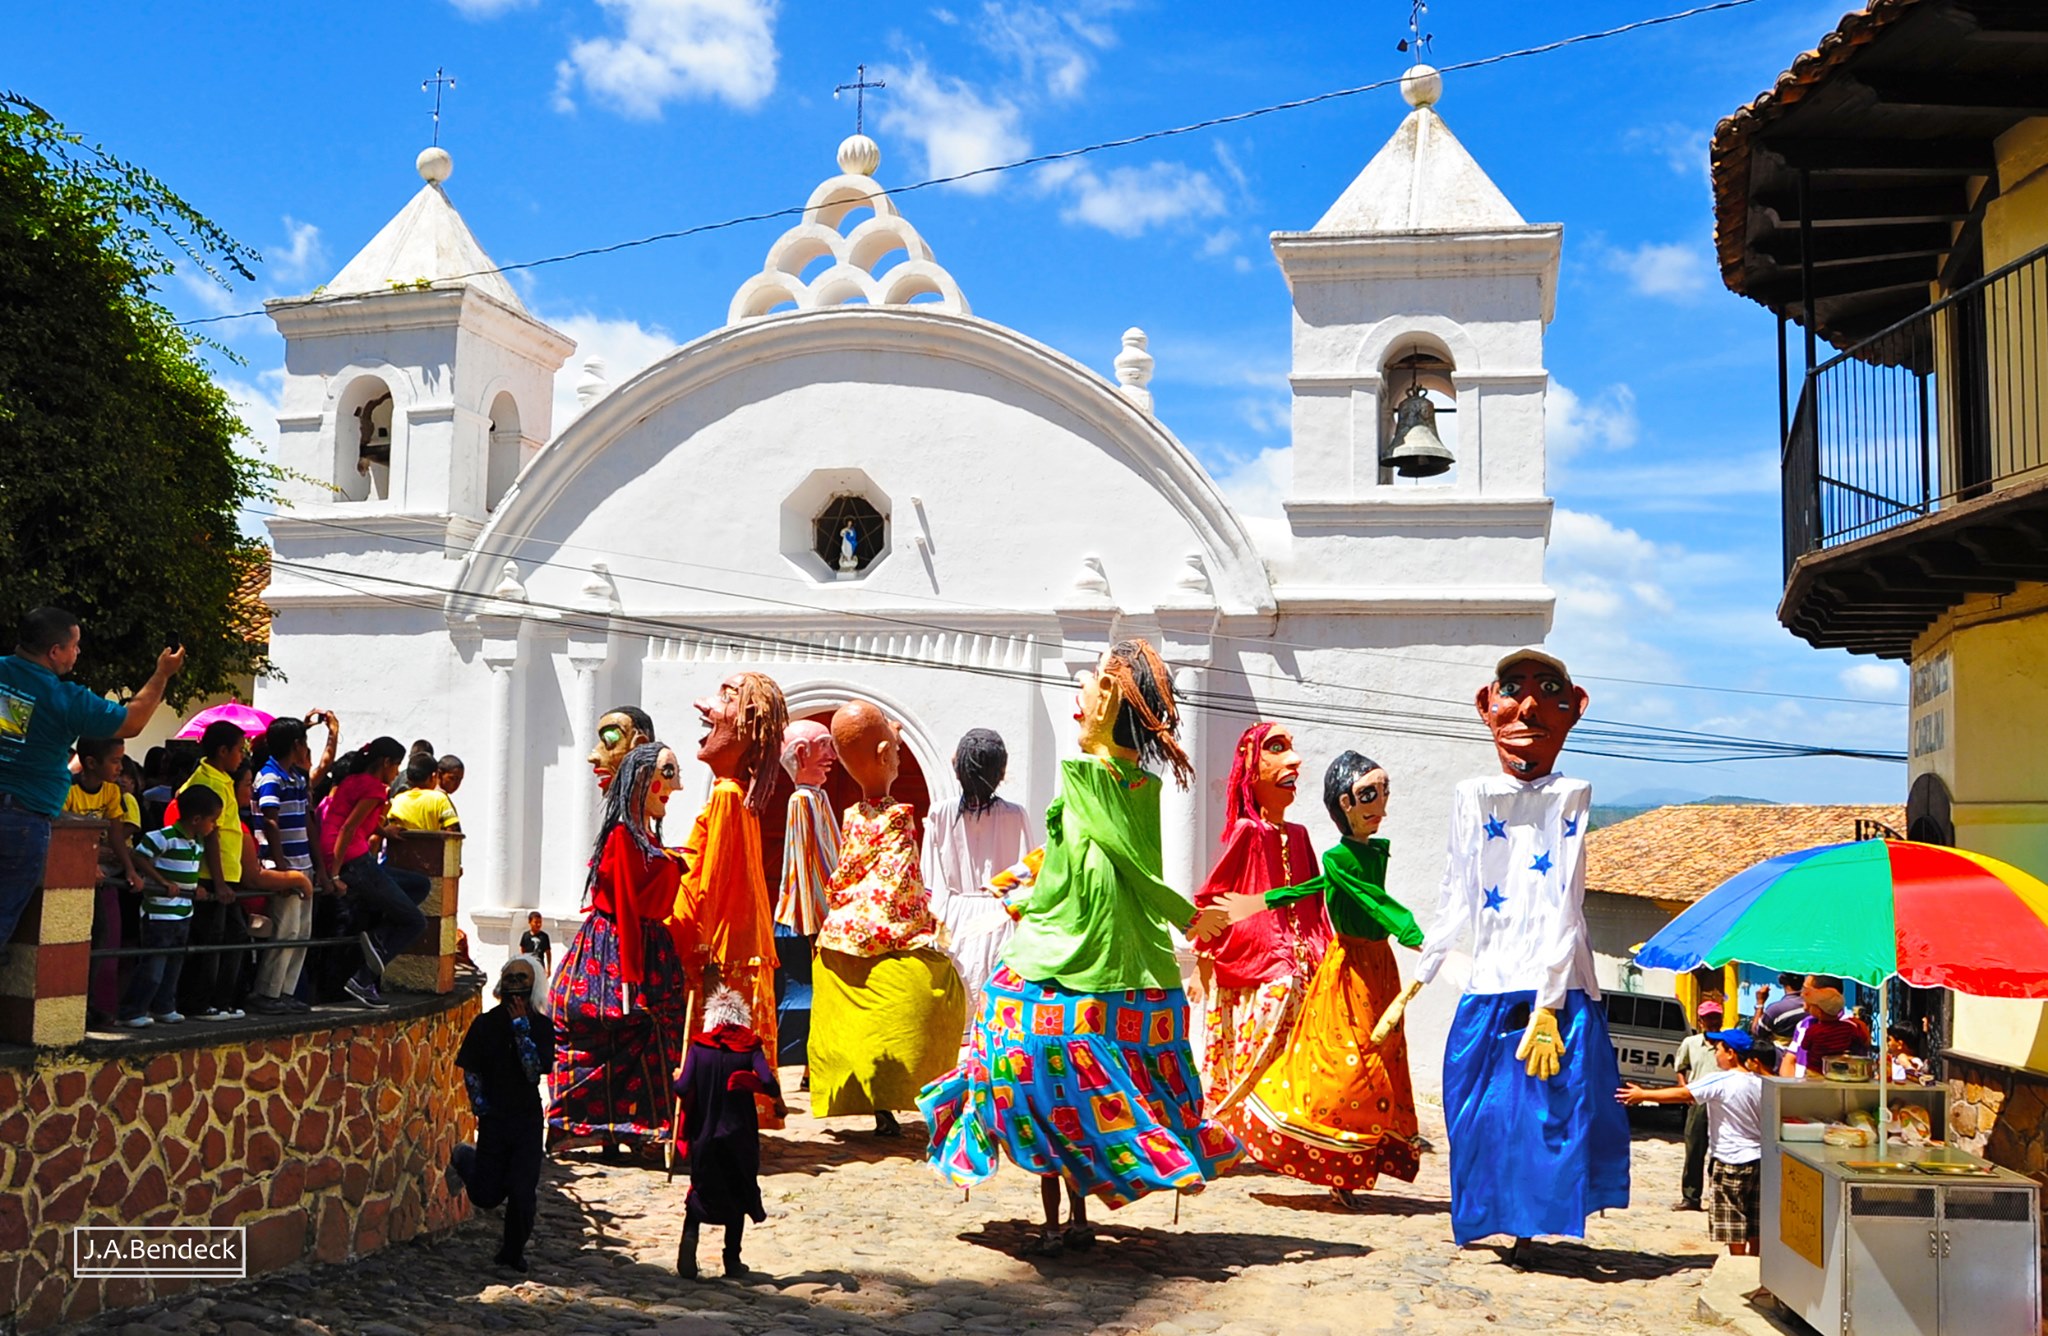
{"x": 1079, "y": 1068}
{"x": 887, "y": 1006}
{"x": 1336, "y": 1106}
{"x": 1538, "y": 1142}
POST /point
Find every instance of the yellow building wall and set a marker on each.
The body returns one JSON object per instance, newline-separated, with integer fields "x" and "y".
{"x": 2016, "y": 307}
{"x": 1993, "y": 726}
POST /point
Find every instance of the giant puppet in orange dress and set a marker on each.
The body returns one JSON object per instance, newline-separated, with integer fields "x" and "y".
{"x": 723, "y": 919}
{"x": 1258, "y": 972}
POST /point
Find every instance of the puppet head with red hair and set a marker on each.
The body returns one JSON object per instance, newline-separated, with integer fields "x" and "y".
{"x": 1263, "y": 771}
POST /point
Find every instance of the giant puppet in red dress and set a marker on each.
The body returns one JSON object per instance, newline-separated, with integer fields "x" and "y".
{"x": 618, "y": 1000}
{"x": 1257, "y": 972}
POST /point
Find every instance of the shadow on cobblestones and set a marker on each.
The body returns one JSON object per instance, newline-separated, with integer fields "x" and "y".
{"x": 1609, "y": 1266}
{"x": 1380, "y": 1204}
{"x": 1207, "y": 1255}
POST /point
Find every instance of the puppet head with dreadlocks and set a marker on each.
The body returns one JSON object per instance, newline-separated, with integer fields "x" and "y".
{"x": 980, "y": 762}
{"x": 636, "y": 799}
{"x": 1263, "y": 772}
{"x": 1127, "y": 709}
{"x": 743, "y": 724}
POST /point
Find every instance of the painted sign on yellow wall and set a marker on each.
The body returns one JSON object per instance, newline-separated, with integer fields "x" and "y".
{"x": 1800, "y": 1208}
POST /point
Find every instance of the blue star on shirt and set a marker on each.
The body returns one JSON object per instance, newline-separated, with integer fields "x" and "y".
{"x": 1542, "y": 863}
{"x": 1496, "y": 829}
{"x": 1494, "y": 899}
{"x": 1571, "y": 825}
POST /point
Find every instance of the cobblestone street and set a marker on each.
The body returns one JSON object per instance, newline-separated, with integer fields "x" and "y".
{"x": 862, "y": 1238}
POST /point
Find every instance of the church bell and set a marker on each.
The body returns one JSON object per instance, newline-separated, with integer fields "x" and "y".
{"x": 1415, "y": 451}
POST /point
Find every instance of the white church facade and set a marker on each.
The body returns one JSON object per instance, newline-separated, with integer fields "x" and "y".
{"x": 463, "y": 569}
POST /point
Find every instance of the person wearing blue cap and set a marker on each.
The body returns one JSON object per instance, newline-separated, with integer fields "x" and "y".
{"x": 1733, "y": 1097}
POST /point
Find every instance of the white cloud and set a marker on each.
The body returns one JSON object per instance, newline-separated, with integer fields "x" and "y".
{"x": 1655, "y": 269}
{"x": 1683, "y": 147}
{"x": 626, "y": 346}
{"x": 1573, "y": 426}
{"x": 1886, "y": 681}
{"x": 1255, "y": 485}
{"x": 1050, "y": 48}
{"x": 256, "y": 403}
{"x": 958, "y": 127}
{"x": 674, "y": 50}
{"x": 1128, "y": 201}
{"x": 301, "y": 255}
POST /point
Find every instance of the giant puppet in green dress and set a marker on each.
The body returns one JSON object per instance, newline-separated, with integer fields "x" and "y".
{"x": 1079, "y": 1068}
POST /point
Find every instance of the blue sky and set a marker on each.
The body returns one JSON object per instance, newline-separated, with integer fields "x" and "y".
{"x": 590, "y": 121}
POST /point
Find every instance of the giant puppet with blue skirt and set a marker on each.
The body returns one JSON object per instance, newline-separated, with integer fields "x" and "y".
{"x": 1537, "y": 1141}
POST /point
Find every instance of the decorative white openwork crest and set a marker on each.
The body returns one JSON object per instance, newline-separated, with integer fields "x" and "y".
{"x": 851, "y": 278}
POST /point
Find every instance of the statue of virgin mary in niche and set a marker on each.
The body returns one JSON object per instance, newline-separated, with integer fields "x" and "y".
{"x": 849, "y": 545}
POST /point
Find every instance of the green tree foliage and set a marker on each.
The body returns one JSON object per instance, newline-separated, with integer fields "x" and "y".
{"x": 119, "y": 475}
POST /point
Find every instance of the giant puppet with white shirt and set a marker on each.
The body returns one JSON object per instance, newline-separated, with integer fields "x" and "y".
{"x": 1537, "y": 1141}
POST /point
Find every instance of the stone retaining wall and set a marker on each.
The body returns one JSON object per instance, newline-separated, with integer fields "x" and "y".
{"x": 325, "y": 1144}
{"x": 2001, "y": 1114}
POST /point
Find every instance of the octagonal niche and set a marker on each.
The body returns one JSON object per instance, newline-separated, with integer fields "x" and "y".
{"x": 817, "y": 514}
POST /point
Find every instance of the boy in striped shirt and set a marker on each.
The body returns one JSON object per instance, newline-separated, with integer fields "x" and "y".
{"x": 283, "y": 807}
{"x": 172, "y": 861}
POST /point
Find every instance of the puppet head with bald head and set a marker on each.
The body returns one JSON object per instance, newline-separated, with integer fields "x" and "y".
{"x": 807, "y": 752}
{"x": 870, "y": 747}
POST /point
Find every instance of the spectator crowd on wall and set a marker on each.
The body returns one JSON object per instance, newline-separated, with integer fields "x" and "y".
{"x": 238, "y": 842}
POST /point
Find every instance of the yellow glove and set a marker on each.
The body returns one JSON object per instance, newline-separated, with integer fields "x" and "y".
{"x": 1390, "y": 1019}
{"x": 1542, "y": 1048}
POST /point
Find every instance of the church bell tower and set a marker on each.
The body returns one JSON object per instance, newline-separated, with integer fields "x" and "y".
{"x": 1420, "y": 303}
{"x": 416, "y": 382}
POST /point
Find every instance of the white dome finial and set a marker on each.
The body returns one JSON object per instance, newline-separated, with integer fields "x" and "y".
{"x": 859, "y": 155}
{"x": 1422, "y": 86}
{"x": 435, "y": 165}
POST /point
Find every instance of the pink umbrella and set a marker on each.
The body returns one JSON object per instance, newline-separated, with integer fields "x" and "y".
{"x": 250, "y": 719}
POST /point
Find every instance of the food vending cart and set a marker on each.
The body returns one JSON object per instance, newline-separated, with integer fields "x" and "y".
{"x": 1891, "y": 1240}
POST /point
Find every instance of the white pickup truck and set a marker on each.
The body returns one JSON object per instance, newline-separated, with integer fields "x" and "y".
{"x": 1646, "y": 1031}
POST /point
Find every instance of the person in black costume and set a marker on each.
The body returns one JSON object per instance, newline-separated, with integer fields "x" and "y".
{"x": 723, "y": 1070}
{"x": 503, "y": 1057}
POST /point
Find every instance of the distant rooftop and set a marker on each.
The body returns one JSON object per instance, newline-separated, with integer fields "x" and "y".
{"x": 1681, "y": 853}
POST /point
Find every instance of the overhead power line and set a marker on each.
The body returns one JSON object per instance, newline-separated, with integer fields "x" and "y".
{"x": 528, "y": 560}
{"x": 1036, "y": 159}
{"x": 1622, "y": 741}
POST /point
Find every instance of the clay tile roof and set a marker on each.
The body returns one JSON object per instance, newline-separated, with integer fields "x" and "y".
{"x": 1729, "y": 153}
{"x": 250, "y": 613}
{"x": 1681, "y": 853}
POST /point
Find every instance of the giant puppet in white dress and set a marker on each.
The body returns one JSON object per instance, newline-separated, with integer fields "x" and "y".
{"x": 1537, "y": 1140}
{"x": 967, "y": 841}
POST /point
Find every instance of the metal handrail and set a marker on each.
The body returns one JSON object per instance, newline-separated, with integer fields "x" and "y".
{"x": 1962, "y": 293}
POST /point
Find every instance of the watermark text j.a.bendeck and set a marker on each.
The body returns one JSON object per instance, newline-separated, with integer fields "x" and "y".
{"x": 162, "y": 1251}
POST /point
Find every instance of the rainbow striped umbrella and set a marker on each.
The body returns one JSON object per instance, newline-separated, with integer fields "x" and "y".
{"x": 1937, "y": 917}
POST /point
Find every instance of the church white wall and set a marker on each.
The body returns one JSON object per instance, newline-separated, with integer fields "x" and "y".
{"x": 1008, "y": 490}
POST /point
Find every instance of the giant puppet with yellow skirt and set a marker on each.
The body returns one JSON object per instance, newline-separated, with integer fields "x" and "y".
{"x": 887, "y": 1005}
{"x": 1336, "y": 1106}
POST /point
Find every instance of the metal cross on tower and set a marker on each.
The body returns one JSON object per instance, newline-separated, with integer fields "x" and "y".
{"x": 860, "y": 86}
{"x": 1417, "y": 41}
{"x": 442, "y": 79}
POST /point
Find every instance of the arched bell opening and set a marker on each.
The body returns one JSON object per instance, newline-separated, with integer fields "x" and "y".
{"x": 1418, "y": 419}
